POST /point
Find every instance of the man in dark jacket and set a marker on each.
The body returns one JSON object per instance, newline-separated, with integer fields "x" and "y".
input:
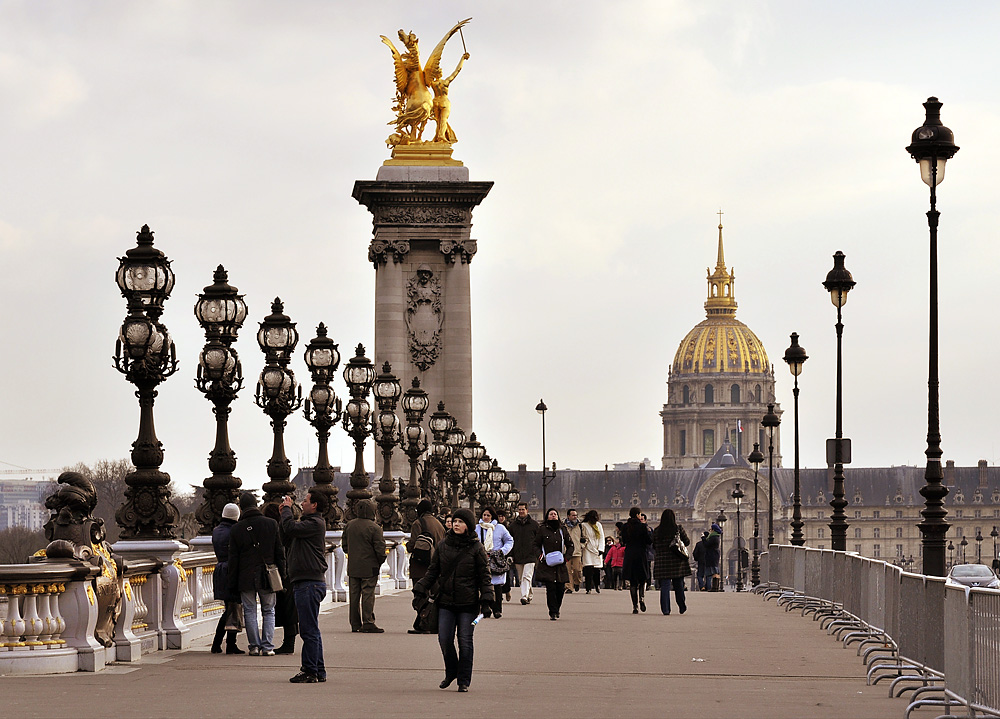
{"x": 254, "y": 543}
{"x": 429, "y": 525}
{"x": 364, "y": 546}
{"x": 307, "y": 573}
{"x": 698, "y": 555}
{"x": 713, "y": 557}
{"x": 523, "y": 529}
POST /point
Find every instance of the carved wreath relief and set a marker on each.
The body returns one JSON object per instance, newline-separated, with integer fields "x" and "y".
{"x": 424, "y": 317}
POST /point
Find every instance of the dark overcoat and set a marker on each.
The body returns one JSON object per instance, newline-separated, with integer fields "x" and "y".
{"x": 668, "y": 564}
{"x": 549, "y": 540}
{"x": 220, "y": 577}
{"x": 635, "y": 537}
{"x": 253, "y": 543}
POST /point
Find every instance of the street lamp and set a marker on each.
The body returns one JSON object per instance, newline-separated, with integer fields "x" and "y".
{"x": 755, "y": 458}
{"x": 738, "y": 498}
{"x": 440, "y": 423}
{"x": 932, "y": 146}
{"x": 221, "y": 311}
{"x": 979, "y": 546}
{"x": 414, "y": 444}
{"x": 838, "y": 283}
{"x": 951, "y": 554}
{"x": 541, "y": 409}
{"x": 472, "y": 453}
{"x": 359, "y": 375}
{"x": 770, "y": 421}
{"x": 145, "y": 354}
{"x": 387, "y": 435}
{"x": 796, "y": 356}
{"x": 721, "y": 521}
{"x": 323, "y": 410}
{"x": 278, "y": 394}
{"x": 964, "y": 543}
{"x": 455, "y": 439}
{"x": 996, "y": 559}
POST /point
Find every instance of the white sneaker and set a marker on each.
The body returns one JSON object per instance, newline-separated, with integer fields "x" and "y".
{"x": 255, "y": 651}
{"x": 267, "y": 653}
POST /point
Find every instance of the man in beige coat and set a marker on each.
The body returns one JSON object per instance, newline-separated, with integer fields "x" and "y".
{"x": 364, "y": 546}
{"x": 574, "y": 563}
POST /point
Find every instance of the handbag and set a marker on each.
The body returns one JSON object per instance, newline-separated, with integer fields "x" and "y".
{"x": 499, "y": 562}
{"x": 677, "y": 544}
{"x": 273, "y": 577}
{"x": 234, "y": 617}
{"x": 554, "y": 558}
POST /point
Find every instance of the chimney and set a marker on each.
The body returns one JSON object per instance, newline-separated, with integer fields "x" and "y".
{"x": 642, "y": 476}
{"x": 949, "y": 473}
{"x": 982, "y": 473}
{"x": 522, "y": 477}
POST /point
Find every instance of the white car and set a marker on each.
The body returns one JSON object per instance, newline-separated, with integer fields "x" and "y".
{"x": 974, "y": 575}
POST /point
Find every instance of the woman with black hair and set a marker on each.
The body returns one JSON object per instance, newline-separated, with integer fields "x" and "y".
{"x": 551, "y": 541}
{"x": 592, "y": 536}
{"x": 671, "y": 564}
{"x": 635, "y": 537}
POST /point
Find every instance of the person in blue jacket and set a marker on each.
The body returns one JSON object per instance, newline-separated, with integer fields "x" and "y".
{"x": 498, "y": 542}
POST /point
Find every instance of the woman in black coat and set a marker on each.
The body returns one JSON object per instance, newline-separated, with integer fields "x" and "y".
{"x": 553, "y": 537}
{"x": 460, "y": 568}
{"x": 220, "y": 580}
{"x": 635, "y": 537}
{"x": 669, "y": 565}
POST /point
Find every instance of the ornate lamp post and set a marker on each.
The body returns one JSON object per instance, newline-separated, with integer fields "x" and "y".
{"x": 796, "y": 356}
{"x": 755, "y": 458}
{"x": 472, "y": 452}
{"x": 951, "y": 554}
{"x": 979, "y": 546}
{"x": 146, "y": 356}
{"x": 964, "y": 543}
{"x": 278, "y": 394}
{"x": 838, "y": 283}
{"x": 414, "y": 444}
{"x": 440, "y": 423}
{"x": 323, "y": 410}
{"x": 359, "y": 375}
{"x": 932, "y": 146}
{"x": 721, "y": 521}
{"x": 221, "y": 311}
{"x": 498, "y": 480}
{"x": 738, "y": 498}
{"x": 387, "y": 435}
{"x": 455, "y": 439}
{"x": 541, "y": 409}
{"x": 770, "y": 421}
{"x": 996, "y": 559}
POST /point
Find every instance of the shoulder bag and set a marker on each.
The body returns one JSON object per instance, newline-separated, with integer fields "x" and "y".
{"x": 677, "y": 544}
{"x": 554, "y": 558}
{"x": 272, "y": 577}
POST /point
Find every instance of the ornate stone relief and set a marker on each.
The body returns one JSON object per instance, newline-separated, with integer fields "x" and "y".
{"x": 424, "y": 317}
{"x": 463, "y": 249}
{"x": 421, "y": 215}
{"x": 379, "y": 251}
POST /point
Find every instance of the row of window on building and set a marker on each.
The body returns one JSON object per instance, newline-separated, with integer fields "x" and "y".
{"x": 688, "y": 396}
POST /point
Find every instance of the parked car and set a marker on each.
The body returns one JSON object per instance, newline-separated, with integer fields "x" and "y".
{"x": 974, "y": 575}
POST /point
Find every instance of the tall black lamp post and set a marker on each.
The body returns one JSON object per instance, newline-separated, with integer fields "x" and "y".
{"x": 455, "y": 439}
{"x": 770, "y": 421}
{"x": 996, "y": 559}
{"x": 932, "y": 145}
{"x": 146, "y": 356}
{"x": 723, "y": 559}
{"x": 323, "y": 410}
{"x": 964, "y": 543}
{"x": 278, "y": 394}
{"x": 838, "y": 283}
{"x": 541, "y": 409}
{"x": 951, "y": 554}
{"x": 440, "y": 423}
{"x": 472, "y": 452}
{"x": 414, "y": 444}
{"x": 738, "y": 498}
{"x": 387, "y": 435}
{"x": 979, "y": 546}
{"x": 220, "y": 310}
{"x": 796, "y": 356}
{"x": 755, "y": 458}
{"x": 359, "y": 375}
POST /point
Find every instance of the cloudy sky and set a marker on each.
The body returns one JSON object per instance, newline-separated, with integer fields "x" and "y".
{"x": 614, "y": 133}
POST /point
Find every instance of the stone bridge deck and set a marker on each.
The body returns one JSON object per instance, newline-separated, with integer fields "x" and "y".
{"x": 598, "y": 660}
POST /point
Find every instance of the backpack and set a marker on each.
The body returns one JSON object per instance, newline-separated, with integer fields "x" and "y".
{"x": 423, "y": 548}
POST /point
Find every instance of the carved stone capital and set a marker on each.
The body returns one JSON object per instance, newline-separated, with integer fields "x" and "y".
{"x": 459, "y": 249}
{"x": 379, "y": 251}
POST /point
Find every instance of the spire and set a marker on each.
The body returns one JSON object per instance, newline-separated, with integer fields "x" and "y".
{"x": 721, "y": 300}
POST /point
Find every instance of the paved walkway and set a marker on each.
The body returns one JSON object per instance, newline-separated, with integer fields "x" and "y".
{"x": 598, "y": 660}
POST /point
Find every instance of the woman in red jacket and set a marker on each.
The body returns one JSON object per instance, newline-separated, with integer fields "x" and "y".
{"x": 614, "y": 559}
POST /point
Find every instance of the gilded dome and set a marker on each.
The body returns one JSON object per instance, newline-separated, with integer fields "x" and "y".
{"x": 721, "y": 343}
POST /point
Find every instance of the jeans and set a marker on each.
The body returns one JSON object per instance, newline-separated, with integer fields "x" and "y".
{"x": 554, "y": 592}
{"x": 526, "y": 572}
{"x": 263, "y": 640}
{"x": 678, "y": 587}
{"x": 308, "y": 596}
{"x": 709, "y": 572}
{"x": 701, "y": 576}
{"x": 456, "y": 665}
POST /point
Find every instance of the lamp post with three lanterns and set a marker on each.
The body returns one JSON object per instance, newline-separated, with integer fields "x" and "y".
{"x": 386, "y": 433}
{"x": 323, "y": 410}
{"x": 359, "y": 375}
{"x": 414, "y": 444}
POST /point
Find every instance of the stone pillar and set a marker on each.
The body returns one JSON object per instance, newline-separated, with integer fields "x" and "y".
{"x": 421, "y": 250}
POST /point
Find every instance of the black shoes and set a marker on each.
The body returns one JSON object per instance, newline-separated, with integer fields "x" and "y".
{"x": 370, "y": 629}
{"x": 446, "y": 683}
{"x": 286, "y": 648}
{"x": 305, "y": 678}
{"x": 642, "y": 605}
{"x": 635, "y": 610}
{"x": 524, "y": 600}
{"x": 216, "y": 649}
{"x": 684, "y": 608}
{"x": 463, "y": 687}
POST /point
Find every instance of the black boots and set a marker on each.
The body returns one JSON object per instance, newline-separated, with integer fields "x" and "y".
{"x": 287, "y": 644}
{"x": 231, "y": 647}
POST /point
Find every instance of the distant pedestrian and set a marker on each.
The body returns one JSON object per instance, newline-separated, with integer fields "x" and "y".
{"x": 670, "y": 565}
{"x": 592, "y": 550}
{"x": 713, "y": 559}
{"x": 574, "y": 563}
{"x": 523, "y": 529}
{"x": 233, "y": 614}
{"x": 635, "y": 537}
{"x": 616, "y": 557}
{"x": 460, "y": 568}
{"x": 285, "y": 615}
{"x": 364, "y": 546}
{"x": 428, "y": 526}
{"x": 498, "y": 543}
{"x": 553, "y": 538}
{"x": 649, "y": 552}
{"x": 503, "y": 519}
{"x": 253, "y": 544}
{"x": 698, "y": 555}
{"x": 307, "y": 567}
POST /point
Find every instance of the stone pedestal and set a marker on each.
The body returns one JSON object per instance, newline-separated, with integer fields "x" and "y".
{"x": 421, "y": 251}
{"x": 174, "y": 634}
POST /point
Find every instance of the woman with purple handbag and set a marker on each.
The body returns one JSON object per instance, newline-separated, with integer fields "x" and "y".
{"x": 553, "y": 544}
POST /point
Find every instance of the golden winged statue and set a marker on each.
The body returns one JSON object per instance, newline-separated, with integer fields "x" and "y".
{"x": 422, "y": 92}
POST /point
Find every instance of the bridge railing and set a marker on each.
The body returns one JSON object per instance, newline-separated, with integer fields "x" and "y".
{"x": 939, "y": 642}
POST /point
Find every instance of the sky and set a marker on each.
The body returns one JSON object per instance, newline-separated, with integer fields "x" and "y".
{"x": 614, "y": 133}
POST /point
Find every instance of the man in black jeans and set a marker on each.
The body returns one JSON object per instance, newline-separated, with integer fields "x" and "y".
{"x": 307, "y": 573}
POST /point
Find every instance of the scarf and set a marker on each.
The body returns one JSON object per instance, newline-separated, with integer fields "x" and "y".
{"x": 486, "y": 531}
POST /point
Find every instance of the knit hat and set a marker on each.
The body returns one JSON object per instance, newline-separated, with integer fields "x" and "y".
{"x": 231, "y": 511}
{"x": 424, "y": 505}
{"x": 466, "y": 516}
{"x": 716, "y": 528}
{"x": 248, "y": 500}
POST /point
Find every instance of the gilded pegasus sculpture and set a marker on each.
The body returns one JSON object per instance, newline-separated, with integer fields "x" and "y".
{"x": 422, "y": 92}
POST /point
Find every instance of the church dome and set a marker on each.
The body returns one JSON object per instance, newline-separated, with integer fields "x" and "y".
{"x": 720, "y": 343}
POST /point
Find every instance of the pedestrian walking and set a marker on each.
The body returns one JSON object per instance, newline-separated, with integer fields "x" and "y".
{"x": 574, "y": 563}
{"x": 232, "y": 616}
{"x": 635, "y": 538}
{"x": 649, "y": 552}
{"x": 429, "y": 530}
{"x": 614, "y": 558}
{"x": 713, "y": 559}
{"x": 523, "y": 529}
{"x": 364, "y": 546}
{"x": 253, "y": 546}
{"x": 552, "y": 546}
{"x": 698, "y": 555}
{"x": 592, "y": 550}
{"x": 498, "y": 543}
{"x": 671, "y": 563}
{"x": 460, "y": 569}
{"x": 503, "y": 519}
{"x": 307, "y": 566}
